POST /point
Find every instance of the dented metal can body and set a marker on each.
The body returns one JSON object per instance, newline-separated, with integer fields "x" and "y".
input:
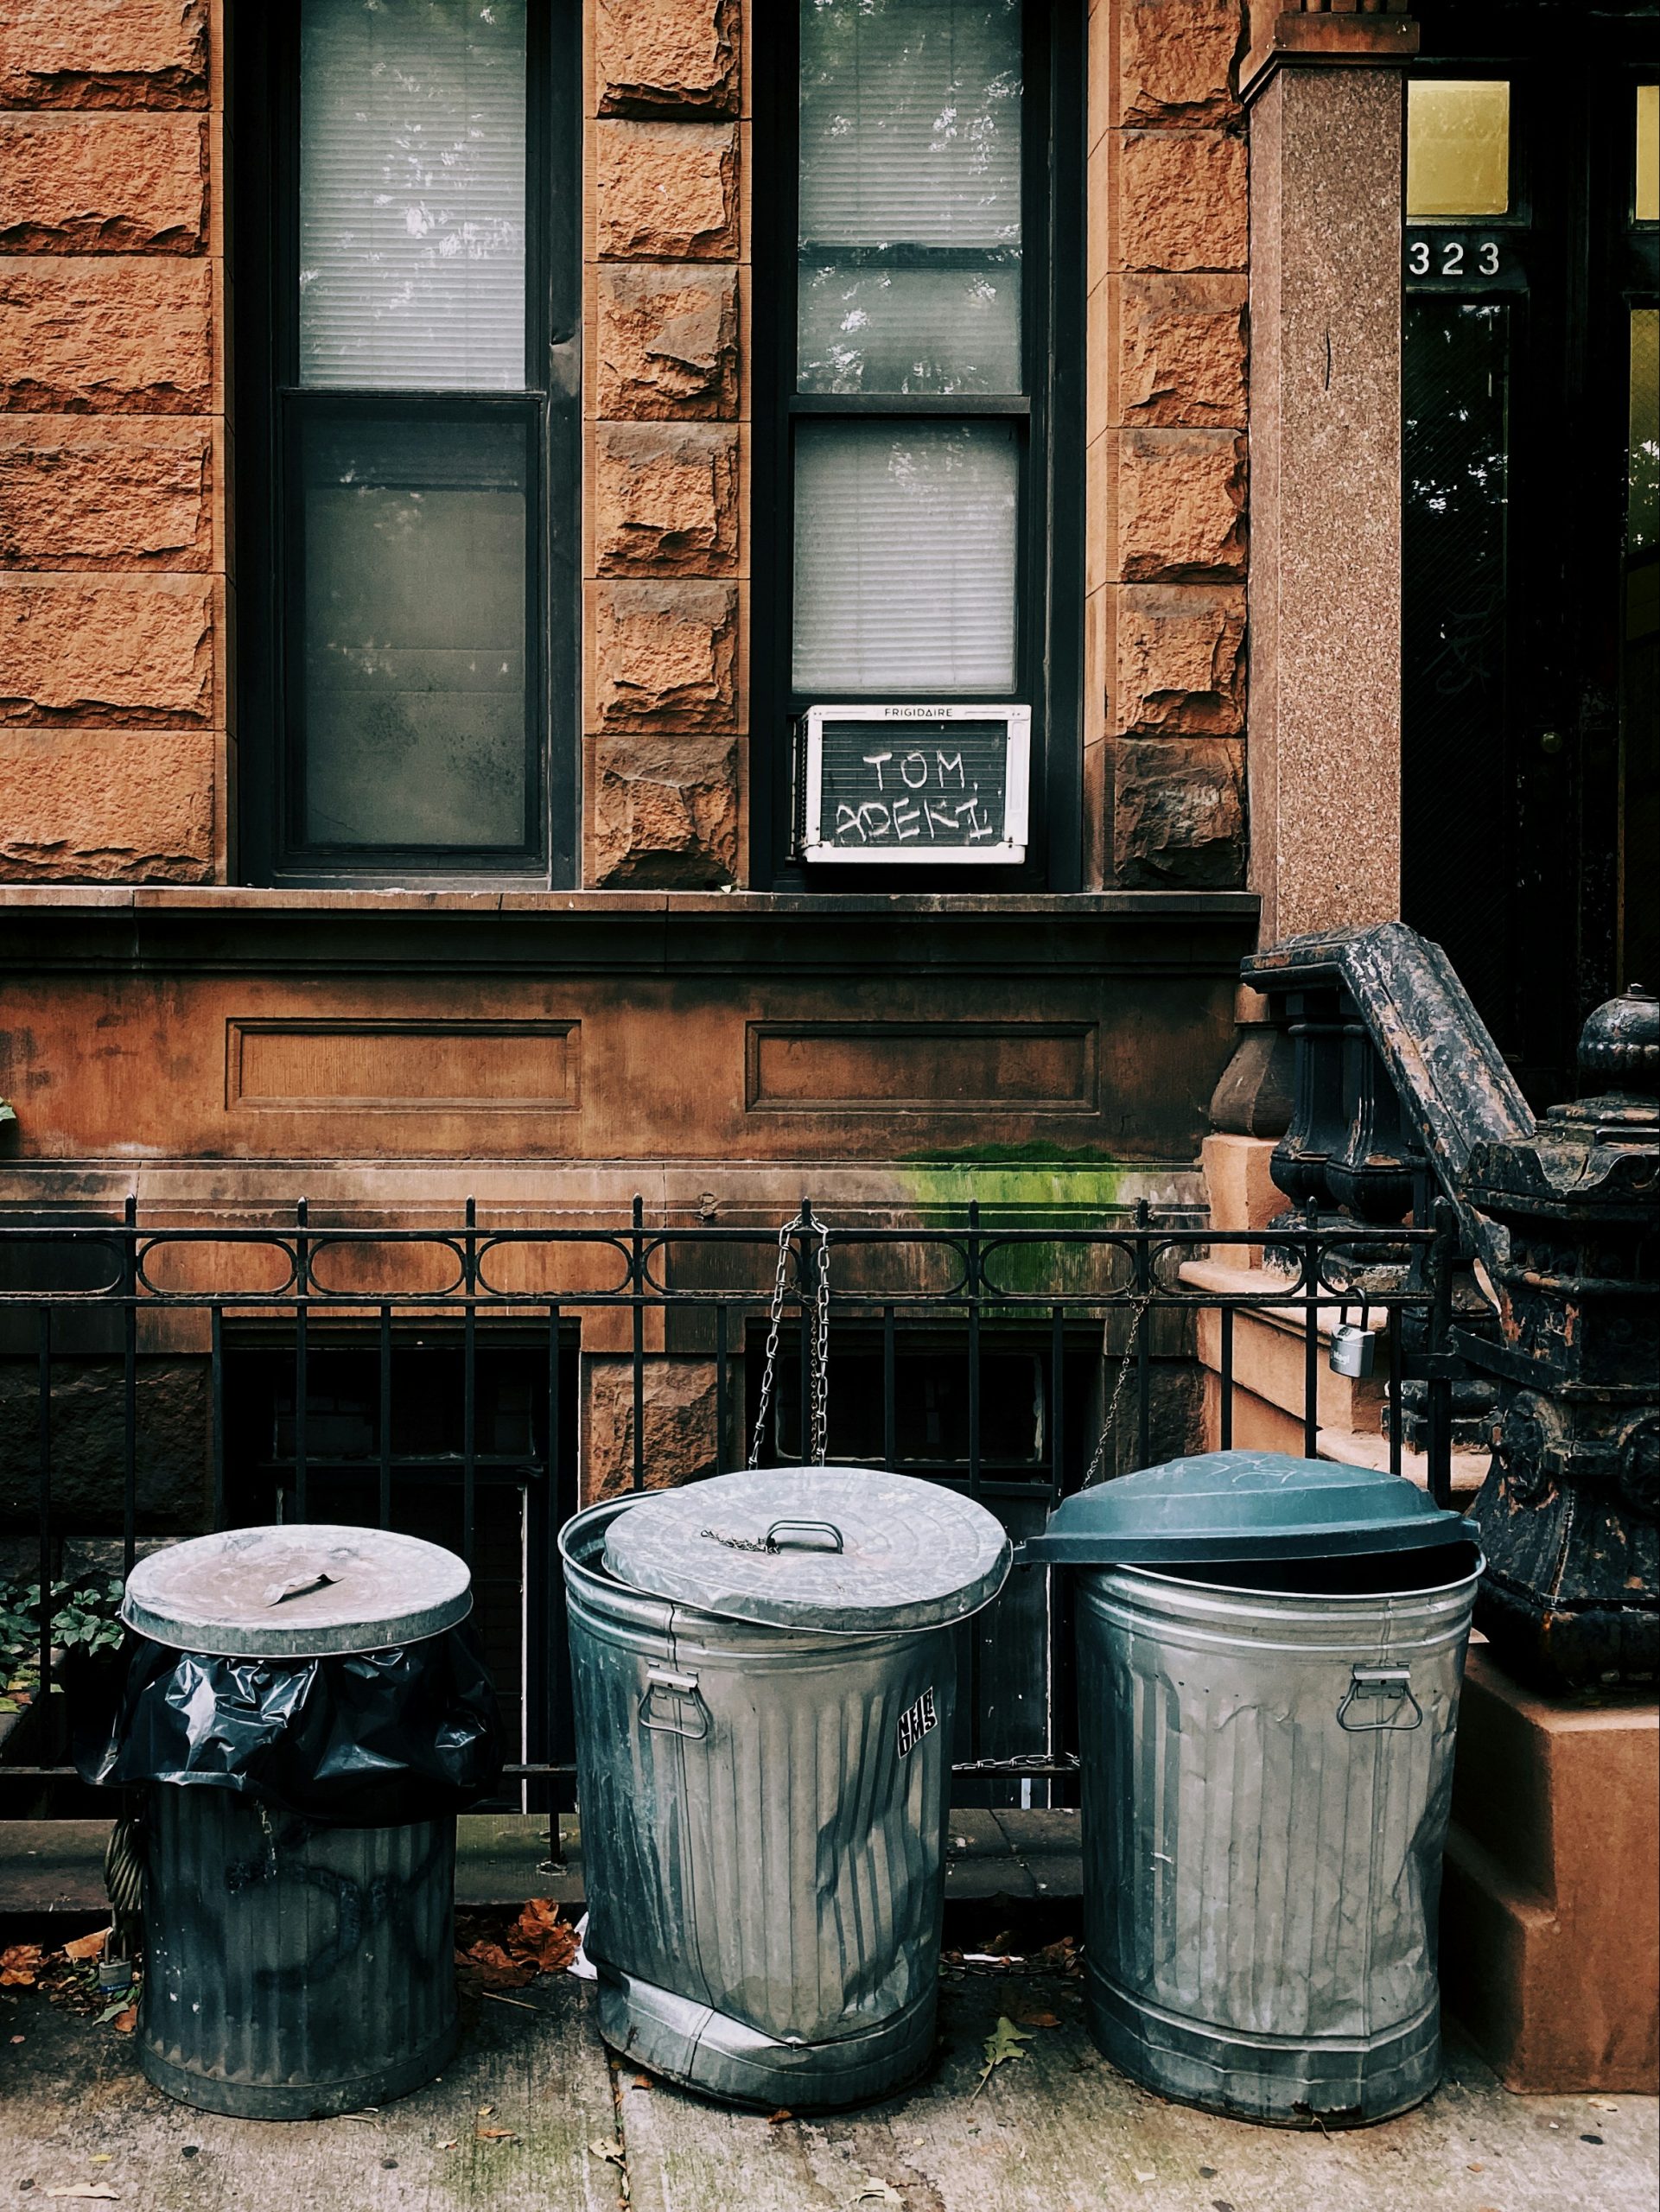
{"x": 293, "y": 1970}
{"x": 1266, "y": 1781}
{"x": 763, "y": 1818}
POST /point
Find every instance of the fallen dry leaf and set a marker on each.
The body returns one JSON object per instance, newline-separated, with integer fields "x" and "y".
{"x": 19, "y": 1966}
{"x": 494, "y": 2135}
{"x": 88, "y": 1946}
{"x": 449, "y": 2144}
{"x": 1033, "y": 2019}
{"x": 1603, "y": 2104}
{"x": 1003, "y": 2044}
{"x": 124, "y": 2023}
{"x": 611, "y": 2154}
{"x": 777, "y": 2119}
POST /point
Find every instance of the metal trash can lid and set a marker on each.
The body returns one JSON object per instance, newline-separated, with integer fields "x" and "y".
{"x": 307, "y": 1590}
{"x": 1242, "y": 1505}
{"x": 849, "y": 1549}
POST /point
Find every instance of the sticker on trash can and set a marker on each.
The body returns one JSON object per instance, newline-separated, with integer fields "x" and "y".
{"x": 917, "y": 1721}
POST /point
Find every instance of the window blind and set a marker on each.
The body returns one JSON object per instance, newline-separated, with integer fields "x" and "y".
{"x": 910, "y": 196}
{"x": 904, "y": 556}
{"x": 911, "y": 123}
{"x": 412, "y": 194}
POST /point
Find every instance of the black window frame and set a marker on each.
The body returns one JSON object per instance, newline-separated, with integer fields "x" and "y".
{"x": 263, "y": 78}
{"x": 1049, "y": 573}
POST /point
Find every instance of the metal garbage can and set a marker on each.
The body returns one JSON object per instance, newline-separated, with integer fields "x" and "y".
{"x": 1269, "y": 1657}
{"x": 308, "y": 1716}
{"x": 765, "y": 1680}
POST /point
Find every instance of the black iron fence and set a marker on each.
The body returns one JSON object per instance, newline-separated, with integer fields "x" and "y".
{"x": 158, "y": 1380}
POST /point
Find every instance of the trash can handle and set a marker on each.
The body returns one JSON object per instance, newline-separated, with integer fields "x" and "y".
{"x": 679, "y": 1686}
{"x": 1391, "y": 1688}
{"x": 823, "y": 1528}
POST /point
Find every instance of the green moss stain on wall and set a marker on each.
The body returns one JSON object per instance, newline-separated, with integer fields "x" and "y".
{"x": 1028, "y": 1186}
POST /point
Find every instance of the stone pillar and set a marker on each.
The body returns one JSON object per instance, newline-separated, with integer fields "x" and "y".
{"x": 665, "y": 556}
{"x": 1165, "y": 405}
{"x": 1327, "y": 169}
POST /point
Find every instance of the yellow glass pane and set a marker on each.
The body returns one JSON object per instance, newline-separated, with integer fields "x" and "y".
{"x": 1458, "y": 146}
{"x": 1647, "y": 208}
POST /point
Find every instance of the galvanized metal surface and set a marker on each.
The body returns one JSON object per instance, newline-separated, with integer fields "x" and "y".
{"x": 302, "y": 1591}
{"x": 293, "y": 1971}
{"x": 1263, "y": 1835}
{"x": 849, "y": 1549}
{"x": 763, "y": 1821}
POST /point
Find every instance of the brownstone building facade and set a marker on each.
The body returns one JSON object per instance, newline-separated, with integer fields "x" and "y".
{"x": 549, "y": 941}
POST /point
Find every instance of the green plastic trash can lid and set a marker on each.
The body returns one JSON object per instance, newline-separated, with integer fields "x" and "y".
{"x": 1242, "y": 1505}
{"x": 852, "y": 1550}
{"x": 308, "y": 1590}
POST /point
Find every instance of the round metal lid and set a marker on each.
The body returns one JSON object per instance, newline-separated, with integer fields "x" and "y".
{"x": 306, "y": 1591}
{"x": 1242, "y": 1506}
{"x": 848, "y": 1549}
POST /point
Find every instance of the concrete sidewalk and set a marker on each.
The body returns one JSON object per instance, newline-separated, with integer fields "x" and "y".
{"x": 1056, "y": 2131}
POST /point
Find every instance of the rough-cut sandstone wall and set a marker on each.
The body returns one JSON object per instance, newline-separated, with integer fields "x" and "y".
{"x": 113, "y": 547}
{"x": 666, "y": 559}
{"x": 114, "y": 554}
{"x": 1164, "y": 776}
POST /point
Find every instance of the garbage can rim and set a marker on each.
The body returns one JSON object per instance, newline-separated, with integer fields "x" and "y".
{"x": 1240, "y": 1506}
{"x": 852, "y": 1550}
{"x": 296, "y": 1591}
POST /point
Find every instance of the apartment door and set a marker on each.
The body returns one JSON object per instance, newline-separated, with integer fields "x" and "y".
{"x": 1531, "y": 598}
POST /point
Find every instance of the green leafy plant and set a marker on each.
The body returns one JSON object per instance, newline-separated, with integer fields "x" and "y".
{"x": 86, "y": 1618}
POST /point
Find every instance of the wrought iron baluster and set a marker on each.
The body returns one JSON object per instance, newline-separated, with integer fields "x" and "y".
{"x": 1225, "y": 1382}
{"x": 1143, "y": 1353}
{"x": 216, "y": 1387}
{"x": 302, "y": 1381}
{"x": 470, "y": 1389}
{"x": 43, "y": 1496}
{"x": 384, "y": 1419}
{"x": 637, "y": 1295}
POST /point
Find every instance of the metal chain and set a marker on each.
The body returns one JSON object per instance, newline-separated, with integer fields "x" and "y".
{"x": 739, "y": 1543}
{"x": 1141, "y": 1304}
{"x": 816, "y": 1381}
{"x": 774, "y": 1323}
{"x": 820, "y": 1353}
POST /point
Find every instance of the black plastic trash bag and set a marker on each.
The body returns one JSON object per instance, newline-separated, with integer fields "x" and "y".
{"x": 368, "y": 1740}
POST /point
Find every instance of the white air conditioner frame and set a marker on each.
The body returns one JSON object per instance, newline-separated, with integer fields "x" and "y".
{"x": 1010, "y": 850}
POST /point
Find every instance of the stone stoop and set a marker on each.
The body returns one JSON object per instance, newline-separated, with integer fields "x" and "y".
{"x": 1268, "y": 1347}
{"x": 1550, "y": 1903}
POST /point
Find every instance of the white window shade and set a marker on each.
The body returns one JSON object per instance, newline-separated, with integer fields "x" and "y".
{"x": 904, "y": 556}
{"x": 911, "y": 123}
{"x": 412, "y": 187}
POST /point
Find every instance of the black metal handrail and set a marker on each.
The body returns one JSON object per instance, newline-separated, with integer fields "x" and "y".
{"x": 980, "y": 1282}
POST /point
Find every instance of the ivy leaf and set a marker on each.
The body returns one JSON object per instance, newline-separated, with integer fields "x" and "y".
{"x": 1005, "y": 2041}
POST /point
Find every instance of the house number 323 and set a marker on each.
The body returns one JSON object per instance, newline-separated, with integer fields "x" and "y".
{"x": 1453, "y": 258}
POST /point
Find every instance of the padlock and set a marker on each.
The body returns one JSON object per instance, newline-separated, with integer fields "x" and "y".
{"x": 1354, "y": 1350}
